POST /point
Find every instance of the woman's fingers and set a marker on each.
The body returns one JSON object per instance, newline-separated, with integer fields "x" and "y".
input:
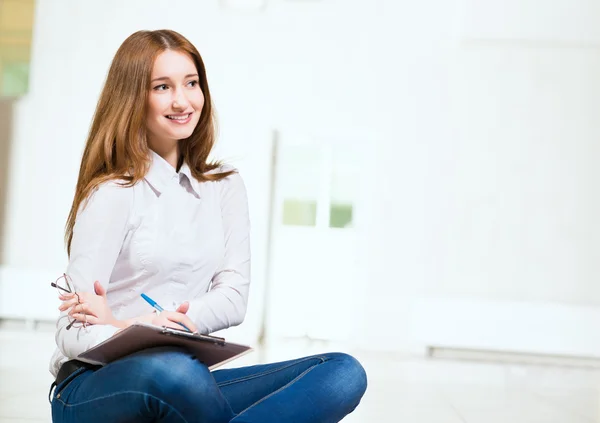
{"x": 171, "y": 324}
{"x": 92, "y": 305}
{"x": 180, "y": 318}
{"x": 183, "y": 308}
{"x": 77, "y": 308}
{"x": 85, "y": 318}
{"x": 83, "y": 308}
{"x": 67, "y": 304}
{"x": 172, "y": 319}
{"x": 80, "y": 297}
{"x": 99, "y": 289}
{"x": 87, "y": 307}
{"x": 64, "y": 297}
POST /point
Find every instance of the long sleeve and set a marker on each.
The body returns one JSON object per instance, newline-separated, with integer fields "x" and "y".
{"x": 225, "y": 304}
{"x": 98, "y": 235}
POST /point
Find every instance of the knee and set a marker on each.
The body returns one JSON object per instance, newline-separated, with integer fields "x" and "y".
{"x": 170, "y": 371}
{"x": 350, "y": 377}
{"x": 173, "y": 382}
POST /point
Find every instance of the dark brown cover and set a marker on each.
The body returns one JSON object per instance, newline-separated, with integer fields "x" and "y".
{"x": 212, "y": 351}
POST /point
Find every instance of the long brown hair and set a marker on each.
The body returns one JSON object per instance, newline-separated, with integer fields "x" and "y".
{"x": 116, "y": 147}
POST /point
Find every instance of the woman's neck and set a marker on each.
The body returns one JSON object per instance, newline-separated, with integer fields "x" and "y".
{"x": 168, "y": 152}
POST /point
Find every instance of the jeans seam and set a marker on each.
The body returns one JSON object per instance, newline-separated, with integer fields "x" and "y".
{"x": 120, "y": 393}
{"x": 254, "y": 376}
{"x": 290, "y": 383}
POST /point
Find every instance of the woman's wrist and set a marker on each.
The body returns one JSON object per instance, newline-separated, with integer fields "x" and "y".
{"x": 121, "y": 324}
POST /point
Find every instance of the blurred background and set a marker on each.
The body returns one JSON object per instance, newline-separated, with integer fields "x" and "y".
{"x": 421, "y": 178}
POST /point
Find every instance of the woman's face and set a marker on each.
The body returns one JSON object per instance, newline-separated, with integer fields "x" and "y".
{"x": 175, "y": 101}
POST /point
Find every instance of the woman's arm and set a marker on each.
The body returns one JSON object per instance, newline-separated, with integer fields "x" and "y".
{"x": 225, "y": 304}
{"x": 98, "y": 236}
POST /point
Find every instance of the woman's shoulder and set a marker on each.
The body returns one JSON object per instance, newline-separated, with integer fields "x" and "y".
{"x": 232, "y": 184}
{"x": 118, "y": 192}
{"x": 233, "y": 176}
{"x": 116, "y": 185}
{"x": 223, "y": 168}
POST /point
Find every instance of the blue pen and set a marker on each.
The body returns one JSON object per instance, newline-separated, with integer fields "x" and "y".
{"x": 159, "y": 308}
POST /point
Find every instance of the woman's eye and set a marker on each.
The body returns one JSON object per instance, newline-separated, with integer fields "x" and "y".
{"x": 161, "y": 87}
{"x": 193, "y": 83}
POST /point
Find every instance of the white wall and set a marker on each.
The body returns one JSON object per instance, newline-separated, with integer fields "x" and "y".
{"x": 266, "y": 71}
{"x": 504, "y": 168}
{"x": 482, "y": 123}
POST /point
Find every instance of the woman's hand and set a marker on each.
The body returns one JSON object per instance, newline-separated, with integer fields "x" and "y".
{"x": 93, "y": 309}
{"x": 172, "y": 318}
{"x": 166, "y": 318}
{"x": 89, "y": 307}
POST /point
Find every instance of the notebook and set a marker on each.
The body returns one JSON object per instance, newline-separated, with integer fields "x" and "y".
{"x": 210, "y": 350}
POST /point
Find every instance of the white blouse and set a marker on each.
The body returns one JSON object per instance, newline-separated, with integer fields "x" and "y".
{"x": 170, "y": 237}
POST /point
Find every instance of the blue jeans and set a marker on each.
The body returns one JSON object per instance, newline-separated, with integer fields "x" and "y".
{"x": 169, "y": 385}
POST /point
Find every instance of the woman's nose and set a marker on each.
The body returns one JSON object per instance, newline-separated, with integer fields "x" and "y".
{"x": 180, "y": 101}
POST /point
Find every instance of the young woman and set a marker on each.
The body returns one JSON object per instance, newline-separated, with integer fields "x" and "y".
{"x": 152, "y": 215}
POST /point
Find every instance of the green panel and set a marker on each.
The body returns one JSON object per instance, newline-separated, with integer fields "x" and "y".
{"x": 15, "y": 79}
{"x": 299, "y": 213}
{"x": 340, "y": 215}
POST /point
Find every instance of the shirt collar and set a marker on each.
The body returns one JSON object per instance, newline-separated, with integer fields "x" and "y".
{"x": 161, "y": 173}
{"x": 185, "y": 169}
{"x": 192, "y": 183}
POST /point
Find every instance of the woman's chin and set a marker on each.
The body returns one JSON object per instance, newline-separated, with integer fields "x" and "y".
{"x": 180, "y": 135}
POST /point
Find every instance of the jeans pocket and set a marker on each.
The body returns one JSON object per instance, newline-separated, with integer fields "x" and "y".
{"x": 60, "y": 391}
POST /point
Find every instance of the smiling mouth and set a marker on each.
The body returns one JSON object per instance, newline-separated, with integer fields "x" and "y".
{"x": 179, "y": 118}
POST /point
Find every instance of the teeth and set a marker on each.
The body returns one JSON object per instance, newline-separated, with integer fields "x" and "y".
{"x": 179, "y": 117}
